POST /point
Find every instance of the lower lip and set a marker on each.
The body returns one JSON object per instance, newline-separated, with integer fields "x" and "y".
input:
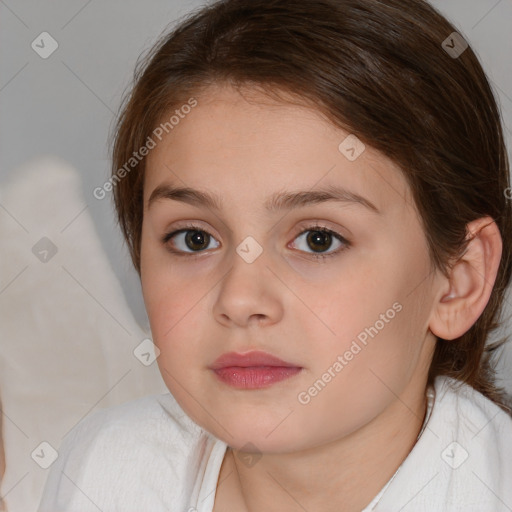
{"x": 255, "y": 377}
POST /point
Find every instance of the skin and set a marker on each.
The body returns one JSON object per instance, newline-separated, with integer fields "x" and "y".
{"x": 336, "y": 452}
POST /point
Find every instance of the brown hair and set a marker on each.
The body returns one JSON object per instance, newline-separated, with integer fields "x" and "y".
{"x": 377, "y": 68}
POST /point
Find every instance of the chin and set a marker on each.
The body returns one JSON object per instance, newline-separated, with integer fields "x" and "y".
{"x": 246, "y": 436}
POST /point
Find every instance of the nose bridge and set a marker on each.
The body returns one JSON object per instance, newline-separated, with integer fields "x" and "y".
{"x": 251, "y": 231}
{"x": 252, "y": 238}
{"x": 254, "y": 249}
{"x": 249, "y": 288}
{"x": 250, "y": 260}
{"x": 250, "y": 249}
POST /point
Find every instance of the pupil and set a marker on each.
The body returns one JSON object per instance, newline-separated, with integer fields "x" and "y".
{"x": 196, "y": 237}
{"x": 320, "y": 237}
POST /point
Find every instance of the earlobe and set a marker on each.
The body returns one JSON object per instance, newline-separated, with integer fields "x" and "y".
{"x": 471, "y": 282}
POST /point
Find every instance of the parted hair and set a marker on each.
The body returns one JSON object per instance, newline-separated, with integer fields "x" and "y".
{"x": 380, "y": 69}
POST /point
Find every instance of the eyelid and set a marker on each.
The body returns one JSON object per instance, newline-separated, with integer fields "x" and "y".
{"x": 191, "y": 224}
{"x": 312, "y": 223}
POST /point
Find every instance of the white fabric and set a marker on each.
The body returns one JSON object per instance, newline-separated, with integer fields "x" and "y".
{"x": 147, "y": 455}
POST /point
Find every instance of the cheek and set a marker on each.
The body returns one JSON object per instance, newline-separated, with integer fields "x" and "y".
{"x": 367, "y": 320}
{"x": 166, "y": 298}
{"x": 361, "y": 369}
{"x": 173, "y": 314}
{"x": 347, "y": 306}
{"x": 176, "y": 309}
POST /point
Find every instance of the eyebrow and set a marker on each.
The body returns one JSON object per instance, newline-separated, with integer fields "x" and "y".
{"x": 279, "y": 201}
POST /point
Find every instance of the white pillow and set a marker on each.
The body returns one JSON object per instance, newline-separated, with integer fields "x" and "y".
{"x": 67, "y": 334}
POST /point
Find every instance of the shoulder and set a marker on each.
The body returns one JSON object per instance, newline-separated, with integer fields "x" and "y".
{"x": 155, "y": 420}
{"x": 471, "y": 410}
{"x": 127, "y": 456}
{"x": 157, "y": 414}
{"x": 463, "y": 459}
{"x": 476, "y": 449}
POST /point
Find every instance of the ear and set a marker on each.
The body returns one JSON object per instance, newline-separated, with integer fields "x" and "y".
{"x": 462, "y": 299}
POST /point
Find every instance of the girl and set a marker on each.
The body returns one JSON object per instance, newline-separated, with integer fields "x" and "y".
{"x": 314, "y": 194}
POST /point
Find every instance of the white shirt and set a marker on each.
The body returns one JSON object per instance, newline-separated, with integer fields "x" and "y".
{"x": 147, "y": 455}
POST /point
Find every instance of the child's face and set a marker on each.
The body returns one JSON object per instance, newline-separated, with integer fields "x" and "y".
{"x": 303, "y": 310}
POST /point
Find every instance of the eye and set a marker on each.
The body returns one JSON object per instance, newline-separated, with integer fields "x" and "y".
{"x": 321, "y": 238}
{"x": 191, "y": 236}
{"x": 193, "y": 239}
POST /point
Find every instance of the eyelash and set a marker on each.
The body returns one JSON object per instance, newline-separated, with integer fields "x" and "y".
{"x": 316, "y": 227}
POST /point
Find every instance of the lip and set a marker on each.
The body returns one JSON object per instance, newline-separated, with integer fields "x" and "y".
{"x": 249, "y": 359}
{"x": 252, "y": 370}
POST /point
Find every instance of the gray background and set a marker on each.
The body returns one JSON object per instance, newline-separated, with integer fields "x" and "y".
{"x": 65, "y": 105}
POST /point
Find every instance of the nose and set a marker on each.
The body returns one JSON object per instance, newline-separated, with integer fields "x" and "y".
{"x": 249, "y": 294}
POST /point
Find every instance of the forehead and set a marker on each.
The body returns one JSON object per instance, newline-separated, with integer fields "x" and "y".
{"x": 247, "y": 147}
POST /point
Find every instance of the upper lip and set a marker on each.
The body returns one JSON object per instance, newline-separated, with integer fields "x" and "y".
{"x": 253, "y": 358}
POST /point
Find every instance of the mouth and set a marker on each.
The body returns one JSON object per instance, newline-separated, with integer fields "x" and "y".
{"x": 252, "y": 370}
